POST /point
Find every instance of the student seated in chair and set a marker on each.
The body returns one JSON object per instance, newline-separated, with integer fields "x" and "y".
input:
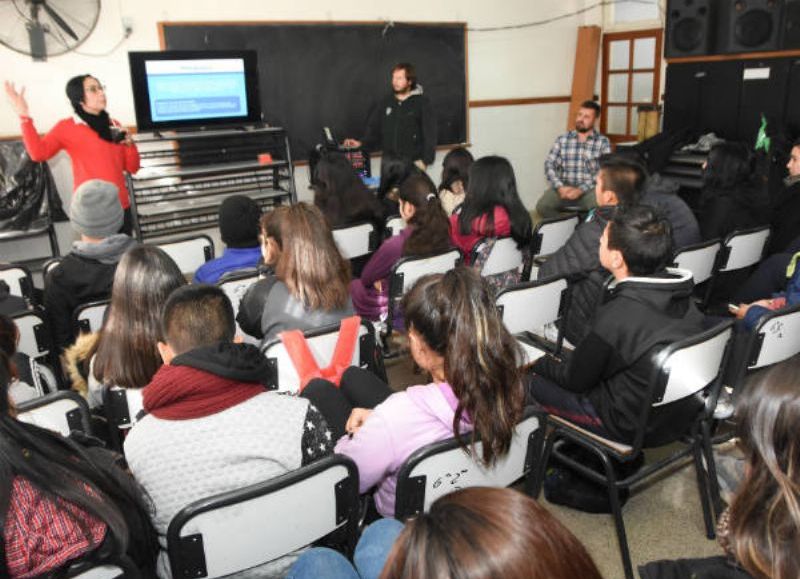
{"x": 760, "y": 530}
{"x": 87, "y": 272}
{"x": 211, "y": 426}
{"x": 238, "y": 228}
{"x": 307, "y": 287}
{"x": 619, "y": 183}
{"x": 455, "y": 334}
{"x": 603, "y": 385}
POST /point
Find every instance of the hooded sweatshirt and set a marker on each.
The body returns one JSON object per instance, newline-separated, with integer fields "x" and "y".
{"x": 613, "y": 365}
{"x": 84, "y": 275}
{"x": 396, "y": 428}
{"x": 403, "y": 127}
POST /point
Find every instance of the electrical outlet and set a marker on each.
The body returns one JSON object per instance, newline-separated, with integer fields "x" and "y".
{"x": 127, "y": 25}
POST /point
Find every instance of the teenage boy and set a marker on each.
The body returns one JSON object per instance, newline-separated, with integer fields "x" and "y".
{"x": 619, "y": 182}
{"x": 86, "y": 273}
{"x": 211, "y": 425}
{"x": 239, "y": 228}
{"x": 603, "y": 385}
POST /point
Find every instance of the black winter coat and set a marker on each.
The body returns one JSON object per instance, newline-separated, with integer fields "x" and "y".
{"x": 579, "y": 260}
{"x": 613, "y": 365}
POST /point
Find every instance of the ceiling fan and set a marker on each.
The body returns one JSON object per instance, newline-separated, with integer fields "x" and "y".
{"x": 43, "y": 28}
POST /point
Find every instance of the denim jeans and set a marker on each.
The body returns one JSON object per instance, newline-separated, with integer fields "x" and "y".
{"x": 369, "y": 558}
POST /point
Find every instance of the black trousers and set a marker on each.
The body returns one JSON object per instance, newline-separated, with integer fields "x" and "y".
{"x": 358, "y": 388}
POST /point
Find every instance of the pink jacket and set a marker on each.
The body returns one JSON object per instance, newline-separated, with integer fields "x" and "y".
{"x": 396, "y": 428}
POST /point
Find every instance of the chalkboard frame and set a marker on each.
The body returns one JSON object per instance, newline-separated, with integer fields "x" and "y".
{"x": 301, "y": 155}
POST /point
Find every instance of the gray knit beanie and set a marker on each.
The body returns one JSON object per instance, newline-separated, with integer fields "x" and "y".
{"x": 95, "y": 210}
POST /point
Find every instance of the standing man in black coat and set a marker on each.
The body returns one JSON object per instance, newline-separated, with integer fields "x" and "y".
{"x": 403, "y": 123}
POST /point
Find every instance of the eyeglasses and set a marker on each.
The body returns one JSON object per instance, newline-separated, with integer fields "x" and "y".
{"x": 95, "y": 88}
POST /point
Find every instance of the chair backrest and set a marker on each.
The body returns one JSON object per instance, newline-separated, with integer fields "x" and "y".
{"x": 409, "y": 269}
{"x": 19, "y": 280}
{"x": 62, "y": 412}
{"x": 356, "y": 240}
{"x": 699, "y": 258}
{"x": 189, "y": 253}
{"x": 322, "y": 343}
{"x": 550, "y": 234}
{"x": 235, "y": 287}
{"x": 775, "y": 338}
{"x": 34, "y": 335}
{"x": 89, "y": 317}
{"x": 245, "y": 528}
{"x": 122, "y": 406}
{"x": 50, "y": 265}
{"x": 504, "y": 256}
{"x": 394, "y": 225}
{"x": 443, "y": 467}
{"x": 691, "y": 365}
{"x": 98, "y": 571}
{"x": 743, "y": 248}
{"x": 529, "y": 307}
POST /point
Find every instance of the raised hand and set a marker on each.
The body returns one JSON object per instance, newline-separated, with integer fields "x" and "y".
{"x": 17, "y": 99}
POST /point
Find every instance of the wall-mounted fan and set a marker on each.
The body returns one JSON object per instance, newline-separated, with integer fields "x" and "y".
{"x": 45, "y": 28}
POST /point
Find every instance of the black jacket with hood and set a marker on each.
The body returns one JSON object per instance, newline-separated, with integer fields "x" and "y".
{"x": 406, "y": 128}
{"x": 579, "y": 260}
{"x": 612, "y": 366}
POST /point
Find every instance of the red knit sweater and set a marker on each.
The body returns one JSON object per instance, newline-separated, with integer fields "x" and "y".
{"x": 92, "y": 157}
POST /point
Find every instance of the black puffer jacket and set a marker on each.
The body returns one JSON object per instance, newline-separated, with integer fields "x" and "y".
{"x": 579, "y": 260}
{"x": 612, "y": 366}
{"x": 662, "y": 194}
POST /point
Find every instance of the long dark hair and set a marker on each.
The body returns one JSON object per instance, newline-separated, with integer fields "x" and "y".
{"x": 455, "y": 167}
{"x": 483, "y": 533}
{"x": 764, "y": 526}
{"x": 394, "y": 170}
{"x": 64, "y": 471}
{"x": 430, "y": 228}
{"x": 455, "y": 315}
{"x": 126, "y": 353}
{"x": 492, "y": 183}
{"x": 729, "y": 165}
{"x": 341, "y": 194}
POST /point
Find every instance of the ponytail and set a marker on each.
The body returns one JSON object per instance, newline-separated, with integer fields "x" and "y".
{"x": 430, "y": 227}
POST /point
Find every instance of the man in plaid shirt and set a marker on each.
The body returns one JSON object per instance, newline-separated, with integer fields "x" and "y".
{"x": 571, "y": 167}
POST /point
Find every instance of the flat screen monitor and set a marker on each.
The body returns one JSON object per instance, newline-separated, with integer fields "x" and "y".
{"x": 188, "y": 88}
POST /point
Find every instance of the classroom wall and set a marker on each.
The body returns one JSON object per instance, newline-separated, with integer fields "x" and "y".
{"x": 504, "y": 64}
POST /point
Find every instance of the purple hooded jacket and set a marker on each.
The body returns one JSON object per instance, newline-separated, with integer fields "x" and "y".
{"x": 396, "y": 428}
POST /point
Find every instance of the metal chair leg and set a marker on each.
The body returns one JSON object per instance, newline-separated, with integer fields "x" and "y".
{"x": 541, "y": 467}
{"x": 703, "y": 485}
{"x": 616, "y": 511}
{"x": 711, "y": 465}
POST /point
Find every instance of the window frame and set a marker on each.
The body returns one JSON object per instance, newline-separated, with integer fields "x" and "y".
{"x": 629, "y": 104}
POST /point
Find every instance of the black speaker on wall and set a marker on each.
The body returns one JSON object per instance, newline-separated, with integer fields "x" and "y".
{"x": 791, "y": 25}
{"x": 749, "y": 25}
{"x": 690, "y": 28}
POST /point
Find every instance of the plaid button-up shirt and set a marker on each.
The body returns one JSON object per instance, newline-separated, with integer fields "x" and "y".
{"x": 573, "y": 163}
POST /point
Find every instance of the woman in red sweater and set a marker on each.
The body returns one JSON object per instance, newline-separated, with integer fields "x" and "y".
{"x": 491, "y": 208}
{"x": 95, "y": 143}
